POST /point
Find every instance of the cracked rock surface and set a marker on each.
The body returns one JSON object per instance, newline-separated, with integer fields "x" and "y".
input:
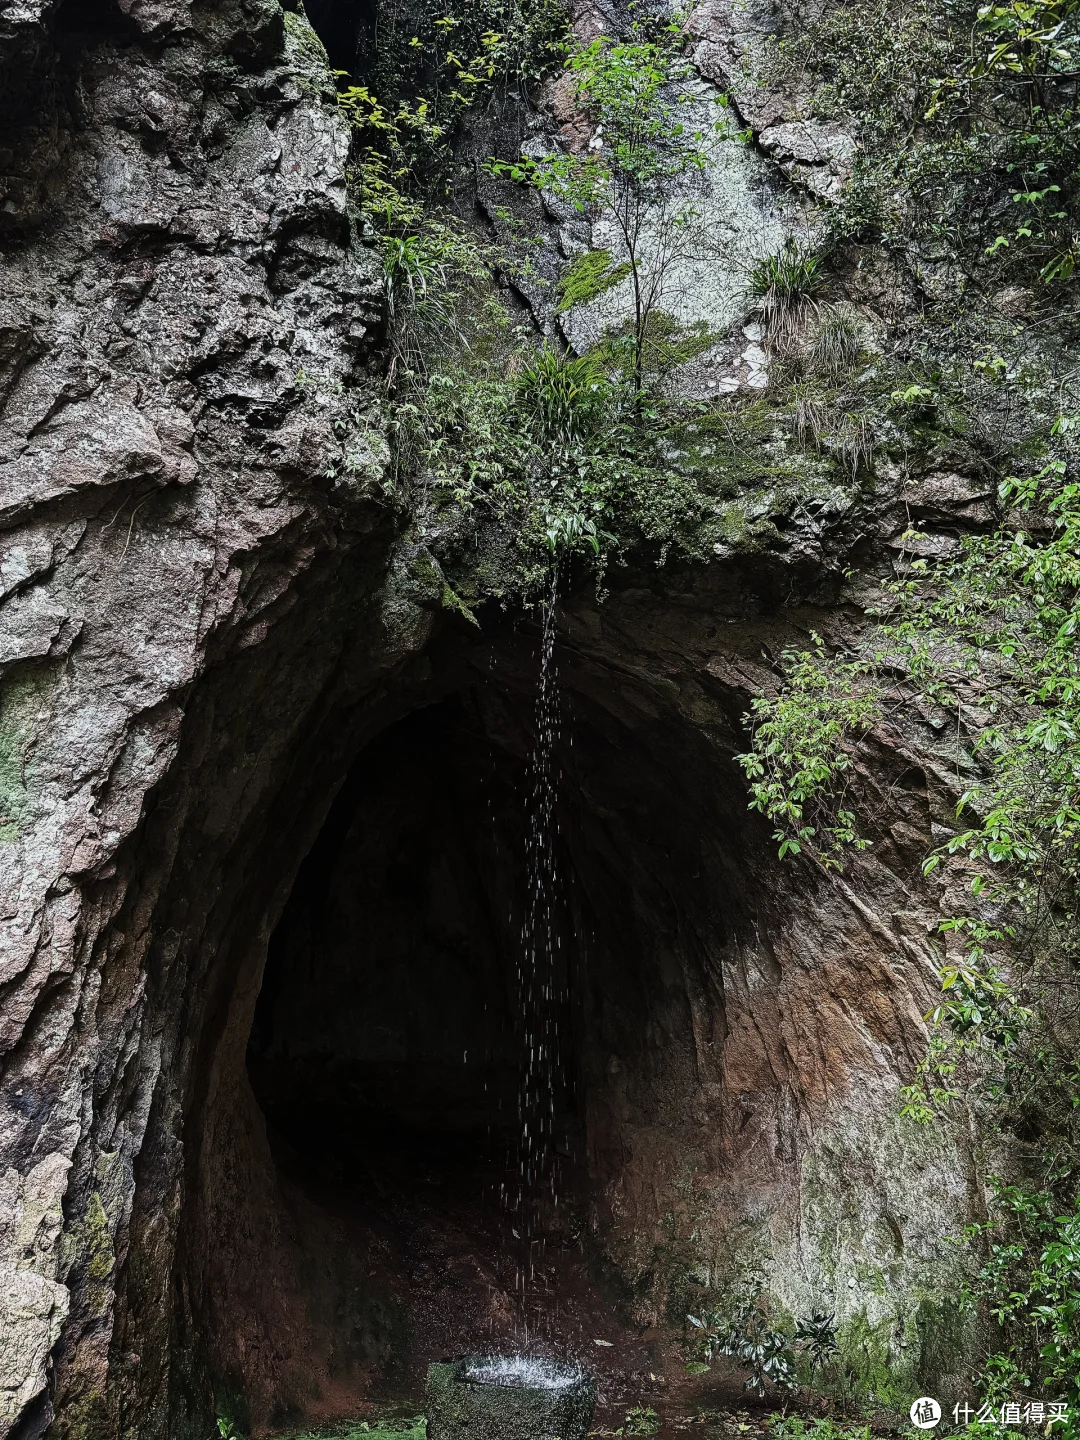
{"x": 183, "y": 299}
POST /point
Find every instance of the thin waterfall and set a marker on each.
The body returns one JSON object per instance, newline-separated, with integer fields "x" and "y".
{"x": 539, "y": 973}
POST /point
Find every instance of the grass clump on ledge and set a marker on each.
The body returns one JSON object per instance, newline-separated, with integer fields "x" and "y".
{"x": 786, "y": 286}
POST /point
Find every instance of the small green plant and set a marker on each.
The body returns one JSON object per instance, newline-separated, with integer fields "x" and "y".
{"x": 640, "y": 1420}
{"x": 792, "y": 272}
{"x": 384, "y": 1427}
{"x": 429, "y": 271}
{"x": 786, "y": 285}
{"x": 227, "y": 1430}
{"x": 815, "y": 1336}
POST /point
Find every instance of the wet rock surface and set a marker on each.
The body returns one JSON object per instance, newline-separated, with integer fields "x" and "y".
{"x": 499, "y": 1397}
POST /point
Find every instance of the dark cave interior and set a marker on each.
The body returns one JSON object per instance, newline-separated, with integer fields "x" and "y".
{"x": 347, "y": 28}
{"x": 385, "y": 1007}
{"x": 386, "y": 1048}
{"x": 387, "y": 1042}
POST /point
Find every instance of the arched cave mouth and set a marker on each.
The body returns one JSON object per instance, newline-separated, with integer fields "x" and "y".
{"x": 387, "y": 1042}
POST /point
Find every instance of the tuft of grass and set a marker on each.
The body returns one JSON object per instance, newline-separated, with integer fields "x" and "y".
{"x": 786, "y": 286}
{"x": 563, "y": 395}
{"x": 793, "y": 272}
{"x": 836, "y": 343}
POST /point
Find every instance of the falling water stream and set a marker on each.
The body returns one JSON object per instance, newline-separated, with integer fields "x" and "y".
{"x": 540, "y": 984}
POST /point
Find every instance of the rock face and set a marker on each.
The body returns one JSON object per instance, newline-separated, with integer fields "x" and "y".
{"x": 182, "y": 304}
{"x": 209, "y": 606}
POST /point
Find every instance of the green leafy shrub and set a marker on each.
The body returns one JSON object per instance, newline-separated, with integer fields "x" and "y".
{"x": 801, "y": 745}
{"x": 430, "y": 273}
{"x": 815, "y": 1336}
{"x": 794, "y": 1427}
{"x": 768, "y": 1351}
{"x": 640, "y": 1420}
{"x": 748, "y": 1333}
{"x": 428, "y": 68}
{"x": 564, "y": 397}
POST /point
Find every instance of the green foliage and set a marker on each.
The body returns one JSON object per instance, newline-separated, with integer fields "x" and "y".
{"x": 967, "y": 123}
{"x": 989, "y": 635}
{"x": 793, "y": 1427}
{"x": 749, "y": 1334}
{"x": 546, "y": 450}
{"x": 632, "y": 170}
{"x": 996, "y": 627}
{"x": 767, "y": 1350}
{"x": 815, "y": 1335}
{"x": 1030, "y": 1285}
{"x": 537, "y": 452}
{"x": 430, "y": 68}
{"x": 405, "y": 117}
{"x": 384, "y": 1427}
{"x": 431, "y": 273}
{"x": 564, "y": 397}
{"x": 802, "y": 742}
{"x": 640, "y": 1420}
{"x": 985, "y": 638}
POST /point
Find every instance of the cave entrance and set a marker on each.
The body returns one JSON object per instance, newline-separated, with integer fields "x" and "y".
{"x": 387, "y": 1045}
{"x": 387, "y": 1019}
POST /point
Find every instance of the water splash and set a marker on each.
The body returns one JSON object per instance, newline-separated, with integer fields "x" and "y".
{"x": 540, "y": 986}
{"x": 526, "y": 1372}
